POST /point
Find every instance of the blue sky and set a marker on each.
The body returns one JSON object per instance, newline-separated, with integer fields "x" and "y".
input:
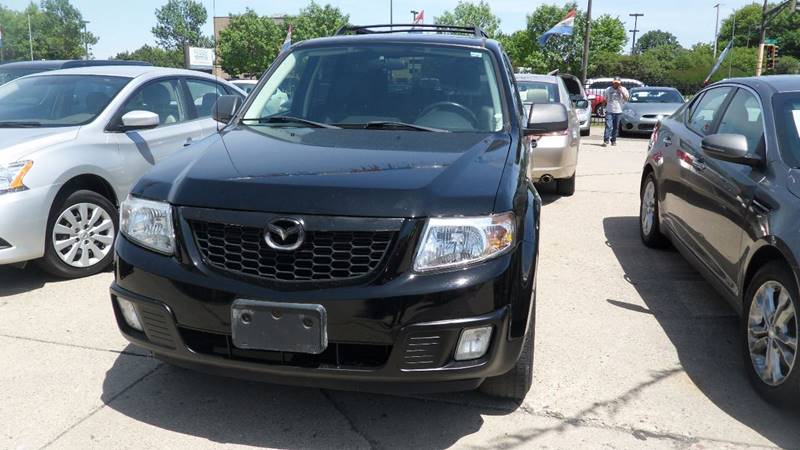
{"x": 126, "y": 25}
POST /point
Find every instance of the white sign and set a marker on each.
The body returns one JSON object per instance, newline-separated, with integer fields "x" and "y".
{"x": 199, "y": 58}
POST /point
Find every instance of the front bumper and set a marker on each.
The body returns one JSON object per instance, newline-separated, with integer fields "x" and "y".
{"x": 23, "y": 223}
{"x": 643, "y": 125}
{"x": 186, "y": 315}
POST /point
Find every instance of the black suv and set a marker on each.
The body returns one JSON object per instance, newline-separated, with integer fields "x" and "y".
{"x": 364, "y": 221}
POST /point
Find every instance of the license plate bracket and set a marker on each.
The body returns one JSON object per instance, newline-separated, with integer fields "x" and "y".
{"x": 275, "y": 326}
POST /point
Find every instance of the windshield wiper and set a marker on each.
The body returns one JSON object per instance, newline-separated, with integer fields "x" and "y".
{"x": 19, "y": 124}
{"x": 290, "y": 119}
{"x": 391, "y": 125}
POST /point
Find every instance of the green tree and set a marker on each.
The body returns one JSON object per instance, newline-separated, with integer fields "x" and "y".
{"x": 179, "y": 23}
{"x": 748, "y": 21}
{"x": 317, "y": 21}
{"x": 59, "y": 31}
{"x": 156, "y": 56}
{"x": 656, "y": 38}
{"x": 249, "y": 44}
{"x": 471, "y": 14}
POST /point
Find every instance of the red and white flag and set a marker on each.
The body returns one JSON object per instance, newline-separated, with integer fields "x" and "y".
{"x": 420, "y": 17}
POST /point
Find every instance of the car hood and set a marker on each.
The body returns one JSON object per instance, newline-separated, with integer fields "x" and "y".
{"x": 370, "y": 173}
{"x": 16, "y": 143}
{"x": 654, "y": 108}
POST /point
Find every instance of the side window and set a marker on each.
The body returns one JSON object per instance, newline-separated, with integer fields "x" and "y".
{"x": 744, "y": 116}
{"x": 161, "y": 97}
{"x": 204, "y": 94}
{"x": 705, "y": 110}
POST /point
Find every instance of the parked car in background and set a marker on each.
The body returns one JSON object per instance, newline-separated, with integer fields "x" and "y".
{"x": 246, "y": 85}
{"x": 646, "y": 106}
{"x": 721, "y": 182}
{"x": 555, "y": 156}
{"x": 376, "y": 230}
{"x": 72, "y": 142}
{"x": 578, "y": 96}
{"x": 595, "y": 90}
{"x": 13, "y": 70}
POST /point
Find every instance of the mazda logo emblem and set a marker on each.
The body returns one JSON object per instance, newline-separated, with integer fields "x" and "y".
{"x": 284, "y": 234}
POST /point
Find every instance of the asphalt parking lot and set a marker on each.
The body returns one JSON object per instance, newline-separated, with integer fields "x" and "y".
{"x": 633, "y": 349}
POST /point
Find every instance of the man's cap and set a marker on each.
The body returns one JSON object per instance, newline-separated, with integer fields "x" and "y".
{"x": 618, "y": 79}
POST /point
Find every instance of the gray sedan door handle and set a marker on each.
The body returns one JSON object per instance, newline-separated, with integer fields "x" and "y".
{"x": 188, "y": 142}
{"x": 698, "y": 164}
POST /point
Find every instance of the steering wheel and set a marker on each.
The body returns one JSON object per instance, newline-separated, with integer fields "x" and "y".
{"x": 454, "y": 107}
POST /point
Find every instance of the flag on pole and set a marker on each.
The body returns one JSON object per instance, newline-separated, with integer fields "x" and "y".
{"x": 420, "y": 17}
{"x": 719, "y": 62}
{"x": 288, "y": 41}
{"x": 562, "y": 28}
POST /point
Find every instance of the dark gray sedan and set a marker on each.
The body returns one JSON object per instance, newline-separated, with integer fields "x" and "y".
{"x": 721, "y": 182}
{"x": 647, "y": 106}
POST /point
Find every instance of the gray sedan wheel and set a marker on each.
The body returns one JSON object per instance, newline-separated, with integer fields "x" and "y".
{"x": 649, "y": 225}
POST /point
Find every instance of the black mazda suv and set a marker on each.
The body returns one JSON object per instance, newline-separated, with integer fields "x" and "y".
{"x": 363, "y": 221}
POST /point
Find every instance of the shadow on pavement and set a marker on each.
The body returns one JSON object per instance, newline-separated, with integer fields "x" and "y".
{"x": 17, "y": 281}
{"x": 548, "y": 192}
{"x": 701, "y": 326}
{"x": 228, "y": 410}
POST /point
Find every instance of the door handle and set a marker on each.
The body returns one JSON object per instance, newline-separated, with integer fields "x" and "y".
{"x": 188, "y": 142}
{"x": 699, "y": 164}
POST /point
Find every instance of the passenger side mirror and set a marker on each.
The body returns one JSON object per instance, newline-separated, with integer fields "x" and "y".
{"x": 731, "y": 148}
{"x": 547, "y": 118}
{"x": 225, "y": 107}
{"x": 140, "y": 120}
{"x": 582, "y": 103}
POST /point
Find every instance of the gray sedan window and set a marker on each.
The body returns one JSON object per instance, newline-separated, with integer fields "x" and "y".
{"x": 705, "y": 111}
{"x": 744, "y": 116}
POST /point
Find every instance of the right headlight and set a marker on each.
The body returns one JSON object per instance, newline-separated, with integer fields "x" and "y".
{"x": 460, "y": 241}
{"x": 148, "y": 223}
{"x": 11, "y": 176}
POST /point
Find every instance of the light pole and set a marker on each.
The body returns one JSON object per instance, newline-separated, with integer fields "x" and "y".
{"x": 716, "y": 30}
{"x": 585, "y": 63}
{"x": 635, "y": 30}
{"x": 86, "y": 38}
{"x": 30, "y": 36}
{"x": 391, "y": 12}
{"x": 414, "y": 16}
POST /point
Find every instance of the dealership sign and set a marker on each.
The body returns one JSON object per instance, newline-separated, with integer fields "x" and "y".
{"x": 198, "y": 58}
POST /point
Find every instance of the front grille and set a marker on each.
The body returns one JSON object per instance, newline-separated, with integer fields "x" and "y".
{"x": 646, "y": 126}
{"x": 323, "y": 256}
{"x": 338, "y": 355}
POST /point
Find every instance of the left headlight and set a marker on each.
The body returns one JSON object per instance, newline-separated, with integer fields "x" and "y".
{"x": 628, "y": 112}
{"x": 461, "y": 241}
{"x": 11, "y": 176}
{"x": 148, "y": 223}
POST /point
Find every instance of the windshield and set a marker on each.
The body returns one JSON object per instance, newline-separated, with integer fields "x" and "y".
{"x": 538, "y": 92}
{"x": 57, "y": 100}
{"x": 7, "y": 75}
{"x": 786, "y": 108}
{"x": 422, "y": 86}
{"x": 656, "y": 96}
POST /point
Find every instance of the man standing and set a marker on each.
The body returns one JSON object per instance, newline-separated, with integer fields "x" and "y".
{"x": 615, "y": 96}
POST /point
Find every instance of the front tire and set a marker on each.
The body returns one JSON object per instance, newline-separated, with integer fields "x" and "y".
{"x": 79, "y": 241}
{"x": 649, "y": 223}
{"x": 770, "y": 334}
{"x": 566, "y": 187}
{"x": 514, "y": 384}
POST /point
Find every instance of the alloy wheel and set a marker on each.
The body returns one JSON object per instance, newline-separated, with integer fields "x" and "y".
{"x": 83, "y": 235}
{"x": 647, "y": 214}
{"x": 772, "y": 333}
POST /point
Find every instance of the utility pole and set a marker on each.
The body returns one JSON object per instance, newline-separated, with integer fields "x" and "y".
{"x": 391, "y": 13}
{"x": 30, "y": 36}
{"x": 733, "y": 39}
{"x": 716, "y": 30}
{"x": 585, "y": 64}
{"x": 635, "y": 30}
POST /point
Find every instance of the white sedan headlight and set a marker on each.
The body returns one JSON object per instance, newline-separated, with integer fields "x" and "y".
{"x": 11, "y": 176}
{"x": 461, "y": 241}
{"x": 148, "y": 223}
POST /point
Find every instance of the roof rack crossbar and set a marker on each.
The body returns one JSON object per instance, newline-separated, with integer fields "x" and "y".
{"x": 476, "y": 31}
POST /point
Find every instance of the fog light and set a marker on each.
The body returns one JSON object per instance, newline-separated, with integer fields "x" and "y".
{"x": 473, "y": 343}
{"x": 129, "y": 314}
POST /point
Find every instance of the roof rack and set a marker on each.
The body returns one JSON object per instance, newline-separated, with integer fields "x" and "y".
{"x": 411, "y": 28}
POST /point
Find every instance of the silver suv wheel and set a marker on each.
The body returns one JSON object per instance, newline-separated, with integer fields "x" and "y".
{"x": 83, "y": 235}
{"x": 772, "y": 333}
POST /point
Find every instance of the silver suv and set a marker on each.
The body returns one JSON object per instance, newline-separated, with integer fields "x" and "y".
{"x": 72, "y": 142}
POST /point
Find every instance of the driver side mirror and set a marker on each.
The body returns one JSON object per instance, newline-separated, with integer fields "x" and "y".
{"x": 140, "y": 120}
{"x": 731, "y": 148}
{"x": 547, "y": 118}
{"x": 225, "y": 108}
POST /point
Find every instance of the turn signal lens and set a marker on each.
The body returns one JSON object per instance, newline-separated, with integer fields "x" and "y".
{"x": 11, "y": 176}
